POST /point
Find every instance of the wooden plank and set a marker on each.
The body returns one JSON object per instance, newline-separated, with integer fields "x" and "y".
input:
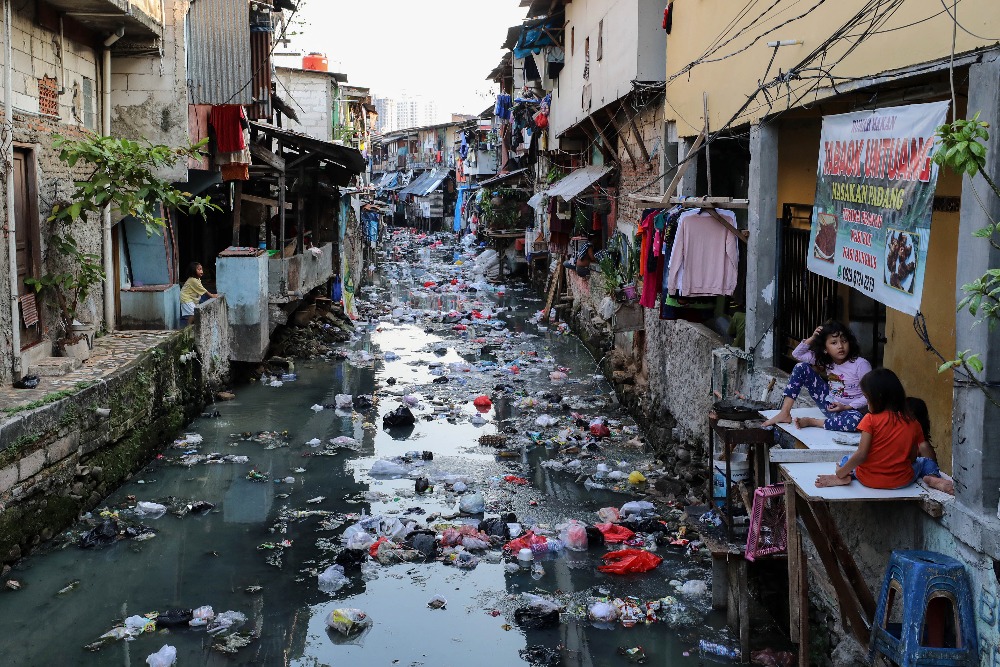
{"x": 264, "y": 201}
{"x": 638, "y": 138}
{"x": 720, "y": 581}
{"x": 795, "y": 561}
{"x": 237, "y": 211}
{"x": 779, "y": 455}
{"x": 682, "y": 169}
{"x": 266, "y": 156}
{"x": 741, "y": 234}
{"x": 850, "y": 608}
{"x": 826, "y": 523}
{"x": 624, "y": 139}
{"x": 605, "y": 145}
{"x": 744, "y": 602}
{"x": 803, "y": 605}
{"x": 733, "y": 595}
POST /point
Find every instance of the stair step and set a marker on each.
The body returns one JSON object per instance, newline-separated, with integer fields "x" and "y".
{"x": 54, "y": 366}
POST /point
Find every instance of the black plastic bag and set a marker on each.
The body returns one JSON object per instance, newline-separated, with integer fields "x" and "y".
{"x": 536, "y": 619}
{"x": 421, "y": 485}
{"x": 401, "y": 416}
{"x": 595, "y": 538}
{"x": 27, "y": 382}
{"x": 101, "y": 535}
{"x": 173, "y": 618}
{"x": 351, "y": 558}
{"x": 363, "y": 402}
{"x": 425, "y": 542}
{"x": 495, "y": 527}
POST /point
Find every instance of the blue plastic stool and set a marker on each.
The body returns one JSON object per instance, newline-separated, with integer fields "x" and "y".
{"x": 938, "y": 626}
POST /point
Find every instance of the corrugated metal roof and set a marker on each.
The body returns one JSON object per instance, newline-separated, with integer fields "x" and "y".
{"x": 219, "y": 69}
{"x": 426, "y": 183}
{"x": 577, "y": 182}
{"x": 503, "y": 177}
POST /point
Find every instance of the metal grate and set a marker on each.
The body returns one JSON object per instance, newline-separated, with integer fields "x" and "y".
{"x": 805, "y": 300}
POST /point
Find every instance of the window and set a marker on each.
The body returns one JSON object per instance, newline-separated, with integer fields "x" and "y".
{"x": 572, "y": 40}
{"x": 48, "y": 96}
{"x": 586, "y": 59}
{"x": 600, "y": 39}
{"x": 89, "y": 120}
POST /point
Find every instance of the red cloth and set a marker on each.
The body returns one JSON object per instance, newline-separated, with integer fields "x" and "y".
{"x": 227, "y": 120}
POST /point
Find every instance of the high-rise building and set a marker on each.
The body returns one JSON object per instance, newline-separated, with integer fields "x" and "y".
{"x": 404, "y": 112}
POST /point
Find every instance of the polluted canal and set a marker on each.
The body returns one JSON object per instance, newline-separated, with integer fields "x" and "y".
{"x": 502, "y": 521}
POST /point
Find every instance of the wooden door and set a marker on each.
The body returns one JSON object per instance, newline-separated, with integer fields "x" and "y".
{"x": 28, "y": 242}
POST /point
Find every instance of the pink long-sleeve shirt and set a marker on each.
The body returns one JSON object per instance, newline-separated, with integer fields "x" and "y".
{"x": 843, "y": 379}
{"x": 705, "y": 258}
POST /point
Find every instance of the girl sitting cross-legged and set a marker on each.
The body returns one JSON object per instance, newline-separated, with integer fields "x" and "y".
{"x": 830, "y": 369}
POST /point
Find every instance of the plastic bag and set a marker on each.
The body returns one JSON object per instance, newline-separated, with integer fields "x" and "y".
{"x": 640, "y": 507}
{"x": 609, "y": 515}
{"x": 628, "y": 561}
{"x": 546, "y": 420}
{"x": 527, "y": 541}
{"x": 166, "y": 656}
{"x": 614, "y": 533}
{"x": 201, "y": 616}
{"x": 151, "y": 510}
{"x": 472, "y": 503}
{"x": 227, "y": 620}
{"x": 386, "y": 468}
{"x": 344, "y": 401}
{"x": 694, "y": 588}
{"x": 602, "y": 612}
{"x": 361, "y": 541}
{"x": 483, "y": 402}
{"x": 557, "y": 376}
{"x": 606, "y": 309}
{"x": 332, "y": 579}
{"x": 599, "y": 429}
{"x": 574, "y": 534}
{"x": 636, "y": 477}
{"x": 348, "y": 621}
{"x": 401, "y": 416}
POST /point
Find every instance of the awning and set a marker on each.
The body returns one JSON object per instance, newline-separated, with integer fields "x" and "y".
{"x": 426, "y": 183}
{"x": 577, "y": 182}
{"x": 503, "y": 177}
{"x": 536, "y": 200}
{"x": 346, "y": 157}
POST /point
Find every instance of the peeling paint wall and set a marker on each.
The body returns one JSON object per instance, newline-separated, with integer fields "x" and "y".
{"x": 149, "y": 94}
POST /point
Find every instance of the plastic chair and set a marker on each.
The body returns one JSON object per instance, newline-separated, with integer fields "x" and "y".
{"x": 924, "y": 614}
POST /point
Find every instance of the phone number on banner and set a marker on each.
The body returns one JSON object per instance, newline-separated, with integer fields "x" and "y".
{"x": 863, "y": 281}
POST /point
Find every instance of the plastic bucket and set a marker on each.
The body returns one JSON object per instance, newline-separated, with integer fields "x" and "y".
{"x": 739, "y": 471}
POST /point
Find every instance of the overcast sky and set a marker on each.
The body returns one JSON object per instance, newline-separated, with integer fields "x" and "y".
{"x": 439, "y": 48}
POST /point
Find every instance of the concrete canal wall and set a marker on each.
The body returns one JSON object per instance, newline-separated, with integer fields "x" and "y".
{"x": 61, "y": 455}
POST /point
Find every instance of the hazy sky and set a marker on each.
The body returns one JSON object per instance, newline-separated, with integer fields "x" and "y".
{"x": 439, "y": 48}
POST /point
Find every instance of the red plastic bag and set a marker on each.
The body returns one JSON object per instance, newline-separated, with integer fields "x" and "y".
{"x": 373, "y": 549}
{"x": 514, "y": 479}
{"x": 482, "y": 402}
{"x": 526, "y": 541}
{"x": 614, "y": 533}
{"x": 600, "y": 430}
{"x": 629, "y": 561}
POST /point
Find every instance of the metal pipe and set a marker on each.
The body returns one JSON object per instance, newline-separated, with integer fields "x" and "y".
{"x": 109, "y": 265}
{"x": 8, "y": 159}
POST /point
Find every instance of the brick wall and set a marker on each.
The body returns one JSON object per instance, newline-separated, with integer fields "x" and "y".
{"x": 310, "y": 94}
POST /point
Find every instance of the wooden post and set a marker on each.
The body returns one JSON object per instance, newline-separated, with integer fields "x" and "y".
{"x": 237, "y": 210}
{"x": 281, "y": 233}
{"x": 300, "y": 210}
{"x": 624, "y": 139}
{"x": 794, "y": 564}
{"x": 605, "y": 145}
{"x": 682, "y": 169}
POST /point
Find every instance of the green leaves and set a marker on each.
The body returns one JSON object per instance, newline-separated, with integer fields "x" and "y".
{"x": 965, "y": 360}
{"x": 959, "y": 147}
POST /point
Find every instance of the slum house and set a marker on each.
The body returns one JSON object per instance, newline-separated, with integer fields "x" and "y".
{"x": 284, "y": 225}
{"x": 71, "y": 68}
{"x": 818, "y": 249}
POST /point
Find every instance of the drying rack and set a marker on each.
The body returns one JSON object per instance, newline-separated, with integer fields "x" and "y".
{"x": 707, "y": 204}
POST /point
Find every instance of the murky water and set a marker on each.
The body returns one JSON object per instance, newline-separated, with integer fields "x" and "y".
{"x": 214, "y": 559}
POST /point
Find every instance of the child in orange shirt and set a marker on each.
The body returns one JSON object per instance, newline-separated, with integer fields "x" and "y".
{"x": 891, "y": 438}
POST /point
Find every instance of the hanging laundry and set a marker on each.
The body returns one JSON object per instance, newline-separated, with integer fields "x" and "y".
{"x": 705, "y": 257}
{"x": 228, "y": 121}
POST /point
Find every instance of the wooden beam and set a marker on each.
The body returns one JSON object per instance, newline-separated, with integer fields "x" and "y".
{"x": 237, "y": 211}
{"x": 682, "y": 169}
{"x": 741, "y": 234}
{"x": 821, "y": 511}
{"x": 623, "y": 136}
{"x": 642, "y": 144}
{"x": 263, "y": 201}
{"x": 795, "y": 563}
{"x": 266, "y": 156}
{"x": 605, "y": 145}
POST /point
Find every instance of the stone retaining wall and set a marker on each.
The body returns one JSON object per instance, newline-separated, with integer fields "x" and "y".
{"x": 62, "y": 458}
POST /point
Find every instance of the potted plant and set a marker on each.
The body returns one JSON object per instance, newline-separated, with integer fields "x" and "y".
{"x": 123, "y": 177}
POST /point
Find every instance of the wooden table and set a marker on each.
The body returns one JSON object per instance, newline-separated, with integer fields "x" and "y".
{"x": 759, "y": 439}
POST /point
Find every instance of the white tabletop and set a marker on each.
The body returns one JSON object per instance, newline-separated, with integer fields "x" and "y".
{"x": 804, "y": 476}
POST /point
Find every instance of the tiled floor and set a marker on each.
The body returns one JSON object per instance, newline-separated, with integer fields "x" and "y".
{"x": 110, "y": 353}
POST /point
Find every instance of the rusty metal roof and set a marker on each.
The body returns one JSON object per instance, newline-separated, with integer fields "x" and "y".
{"x": 219, "y": 69}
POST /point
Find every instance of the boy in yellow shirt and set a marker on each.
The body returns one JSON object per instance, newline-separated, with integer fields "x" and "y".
{"x": 193, "y": 292}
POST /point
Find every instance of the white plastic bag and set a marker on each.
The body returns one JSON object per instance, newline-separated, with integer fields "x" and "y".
{"x": 546, "y": 420}
{"x": 385, "y": 468}
{"x": 606, "y": 309}
{"x": 348, "y": 621}
{"x": 602, "y": 612}
{"x": 574, "y": 535}
{"x": 344, "y": 401}
{"x": 638, "y": 507}
{"x": 201, "y": 616}
{"x": 165, "y": 657}
{"x": 151, "y": 510}
{"x": 472, "y": 503}
{"x": 332, "y": 579}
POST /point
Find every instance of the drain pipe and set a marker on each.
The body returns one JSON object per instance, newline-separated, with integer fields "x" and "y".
{"x": 8, "y": 160}
{"x": 109, "y": 265}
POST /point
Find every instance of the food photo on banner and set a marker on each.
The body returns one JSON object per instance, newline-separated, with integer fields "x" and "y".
{"x": 875, "y": 183}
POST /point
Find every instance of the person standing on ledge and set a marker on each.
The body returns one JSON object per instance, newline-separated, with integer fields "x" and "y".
{"x": 193, "y": 292}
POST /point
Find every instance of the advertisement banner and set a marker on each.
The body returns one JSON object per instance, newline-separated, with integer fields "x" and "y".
{"x": 871, "y": 221}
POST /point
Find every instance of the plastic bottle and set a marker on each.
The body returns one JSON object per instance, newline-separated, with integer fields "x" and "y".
{"x": 550, "y": 547}
{"x": 711, "y": 648}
